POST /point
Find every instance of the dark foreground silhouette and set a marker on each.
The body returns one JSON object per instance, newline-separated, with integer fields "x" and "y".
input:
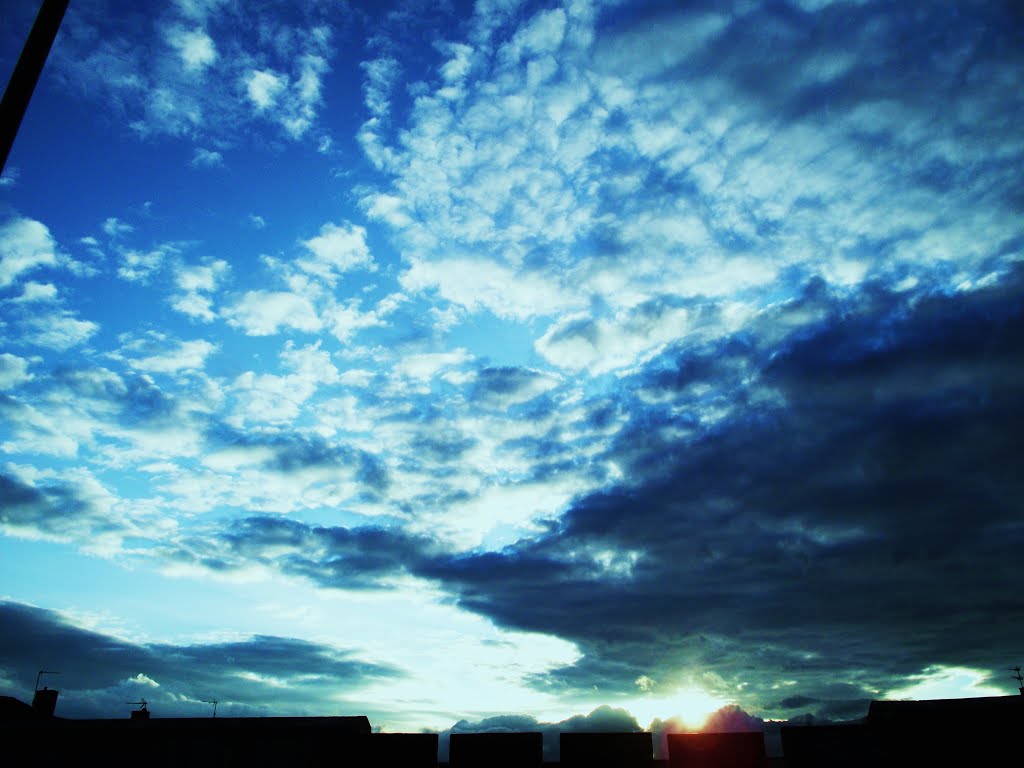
{"x": 968, "y": 732}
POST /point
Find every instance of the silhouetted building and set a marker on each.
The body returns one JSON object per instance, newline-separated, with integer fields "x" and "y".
{"x": 716, "y": 750}
{"x": 496, "y": 750}
{"x": 606, "y": 750}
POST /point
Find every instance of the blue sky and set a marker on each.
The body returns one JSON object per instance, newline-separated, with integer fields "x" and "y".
{"x": 450, "y": 361}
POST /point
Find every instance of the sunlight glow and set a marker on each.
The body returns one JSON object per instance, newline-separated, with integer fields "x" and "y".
{"x": 692, "y": 705}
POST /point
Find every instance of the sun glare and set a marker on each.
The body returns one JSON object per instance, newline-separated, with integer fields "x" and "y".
{"x": 693, "y": 706}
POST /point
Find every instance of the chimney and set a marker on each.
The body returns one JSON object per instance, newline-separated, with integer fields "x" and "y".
{"x": 44, "y": 702}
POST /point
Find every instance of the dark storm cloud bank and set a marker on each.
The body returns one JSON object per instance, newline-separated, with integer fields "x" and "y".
{"x": 260, "y": 675}
{"x": 854, "y": 519}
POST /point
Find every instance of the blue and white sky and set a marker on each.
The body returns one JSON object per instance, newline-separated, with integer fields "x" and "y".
{"x": 452, "y": 361}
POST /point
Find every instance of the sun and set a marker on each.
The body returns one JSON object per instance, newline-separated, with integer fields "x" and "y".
{"x": 692, "y": 705}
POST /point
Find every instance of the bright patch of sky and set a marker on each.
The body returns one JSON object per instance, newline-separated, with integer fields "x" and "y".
{"x": 413, "y": 315}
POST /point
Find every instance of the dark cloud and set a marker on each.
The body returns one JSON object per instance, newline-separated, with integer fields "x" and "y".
{"x": 350, "y": 558}
{"x": 260, "y": 675}
{"x": 507, "y": 386}
{"x": 55, "y": 509}
{"x": 854, "y": 519}
{"x": 443, "y": 446}
{"x": 491, "y": 382}
{"x": 732, "y": 719}
{"x": 293, "y": 452}
{"x": 139, "y": 402}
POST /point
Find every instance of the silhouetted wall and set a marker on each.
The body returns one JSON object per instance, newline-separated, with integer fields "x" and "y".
{"x": 496, "y": 750}
{"x": 716, "y": 750}
{"x": 969, "y": 732}
{"x": 223, "y": 742}
{"x": 44, "y": 702}
{"x": 606, "y": 750}
{"x": 841, "y": 746}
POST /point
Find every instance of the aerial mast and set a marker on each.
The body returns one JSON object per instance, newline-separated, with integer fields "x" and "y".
{"x": 26, "y": 73}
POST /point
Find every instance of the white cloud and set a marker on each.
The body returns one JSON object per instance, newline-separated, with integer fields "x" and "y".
{"x": 272, "y": 398}
{"x": 263, "y": 313}
{"x": 203, "y": 70}
{"x": 10, "y": 176}
{"x": 196, "y": 281}
{"x": 115, "y": 228}
{"x": 483, "y": 284}
{"x": 648, "y": 50}
{"x": 207, "y": 158}
{"x": 339, "y": 248}
{"x": 176, "y": 357}
{"x": 306, "y": 96}
{"x": 195, "y": 48}
{"x": 13, "y": 371}
{"x": 59, "y": 330}
{"x": 542, "y": 34}
{"x": 357, "y": 377}
{"x": 31, "y": 292}
{"x": 25, "y": 245}
{"x": 139, "y": 266}
{"x": 201, "y": 277}
{"x": 264, "y": 87}
{"x": 290, "y": 102}
{"x": 310, "y": 362}
{"x": 459, "y": 63}
{"x": 586, "y": 185}
{"x": 388, "y": 208}
{"x": 345, "y": 320}
{"x": 195, "y": 305}
{"x": 198, "y": 10}
{"x": 427, "y": 365}
{"x": 380, "y": 78}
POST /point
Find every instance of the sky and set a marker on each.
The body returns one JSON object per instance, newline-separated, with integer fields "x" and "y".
{"x": 509, "y": 363}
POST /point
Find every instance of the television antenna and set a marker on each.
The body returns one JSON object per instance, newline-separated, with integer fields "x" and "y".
{"x": 211, "y": 701}
{"x": 1020, "y": 680}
